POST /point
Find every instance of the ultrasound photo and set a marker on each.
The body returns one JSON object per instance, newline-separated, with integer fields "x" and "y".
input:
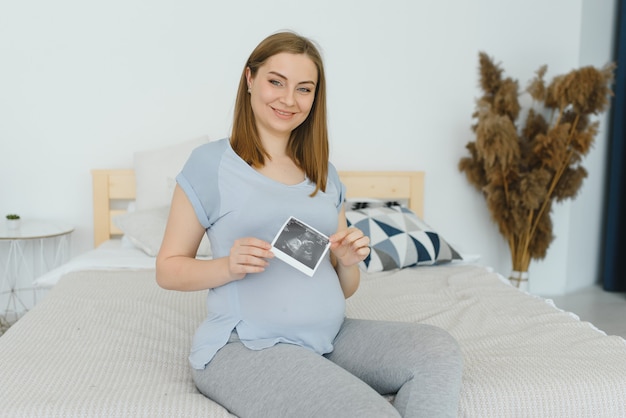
{"x": 300, "y": 245}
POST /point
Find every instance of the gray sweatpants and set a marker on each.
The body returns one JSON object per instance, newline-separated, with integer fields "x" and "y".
{"x": 420, "y": 363}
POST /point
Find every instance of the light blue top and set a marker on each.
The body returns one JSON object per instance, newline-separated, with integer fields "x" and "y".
{"x": 281, "y": 304}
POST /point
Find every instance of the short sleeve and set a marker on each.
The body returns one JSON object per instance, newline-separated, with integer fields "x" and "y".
{"x": 199, "y": 179}
{"x": 333, "y": 178}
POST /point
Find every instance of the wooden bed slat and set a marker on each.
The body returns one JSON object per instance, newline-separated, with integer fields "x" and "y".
{"x": 386, "y": 185}
{"x": 121, "y": 186}
{"x": 108, "y": 186}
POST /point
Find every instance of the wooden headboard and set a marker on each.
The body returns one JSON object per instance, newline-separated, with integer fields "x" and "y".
{"x": 111, "y": 186}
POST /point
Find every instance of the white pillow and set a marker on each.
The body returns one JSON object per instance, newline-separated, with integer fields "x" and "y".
{"x": 156, "y": 171}
{"x": 145, "y": 229}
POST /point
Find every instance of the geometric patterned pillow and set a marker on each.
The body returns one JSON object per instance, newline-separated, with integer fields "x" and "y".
{"x": 398, "y": 238}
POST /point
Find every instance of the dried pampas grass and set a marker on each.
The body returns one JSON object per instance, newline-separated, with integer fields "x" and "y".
{"x": 523, "y": 169}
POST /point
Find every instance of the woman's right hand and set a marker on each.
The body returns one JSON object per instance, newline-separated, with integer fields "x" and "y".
{"x": 248, "y": 255}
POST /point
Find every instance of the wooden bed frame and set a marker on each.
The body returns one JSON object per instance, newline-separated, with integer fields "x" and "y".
{"x": 118, "y": 185}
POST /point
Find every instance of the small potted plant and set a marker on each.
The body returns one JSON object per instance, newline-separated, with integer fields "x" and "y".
{"x": 13, "y": 221}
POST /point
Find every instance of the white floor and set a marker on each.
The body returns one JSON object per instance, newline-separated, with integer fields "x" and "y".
{"x": 606, "y": 310}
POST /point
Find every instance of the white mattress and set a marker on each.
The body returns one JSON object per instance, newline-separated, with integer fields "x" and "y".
{"x": 112, "y": 343}
{"x": 106, "y": 344}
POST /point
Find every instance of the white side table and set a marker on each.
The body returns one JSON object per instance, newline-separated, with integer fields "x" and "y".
{"x": 26, "y": 253}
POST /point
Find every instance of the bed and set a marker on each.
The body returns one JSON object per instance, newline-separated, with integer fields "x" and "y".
{"x": 107, "y": 341}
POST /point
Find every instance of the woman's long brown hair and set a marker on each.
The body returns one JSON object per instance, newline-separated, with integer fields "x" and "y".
{"x": 308, "y": 144}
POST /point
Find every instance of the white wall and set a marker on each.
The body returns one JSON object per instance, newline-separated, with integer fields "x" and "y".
{"x": 85, "y": 84}
{"x": 585, "y": 240}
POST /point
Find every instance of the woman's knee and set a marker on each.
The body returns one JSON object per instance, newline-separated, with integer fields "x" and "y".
{"x": 441, "y": 348}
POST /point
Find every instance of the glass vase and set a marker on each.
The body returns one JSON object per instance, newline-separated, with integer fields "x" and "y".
{"x": 519, "y": 279}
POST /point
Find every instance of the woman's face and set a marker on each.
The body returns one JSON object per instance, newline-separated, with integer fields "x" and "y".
{"x": 282, "y": 93}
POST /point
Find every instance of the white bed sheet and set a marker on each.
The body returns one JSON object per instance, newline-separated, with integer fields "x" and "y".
{"x": 110, "y": 255}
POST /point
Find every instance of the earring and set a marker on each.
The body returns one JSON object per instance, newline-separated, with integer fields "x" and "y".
{"x": 249, "y": 90}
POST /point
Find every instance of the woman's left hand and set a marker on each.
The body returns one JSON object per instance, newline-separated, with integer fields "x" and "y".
{"x": 349, "y": 246}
